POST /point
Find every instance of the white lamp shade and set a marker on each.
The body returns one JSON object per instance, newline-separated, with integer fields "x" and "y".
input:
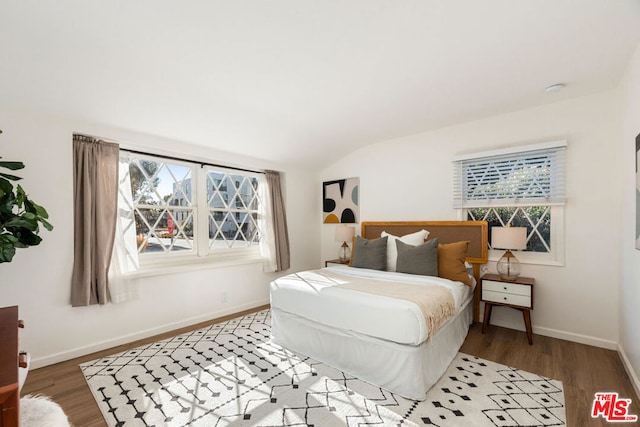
{"x": 345, "y": 233}
{"x": 509, "y": 238}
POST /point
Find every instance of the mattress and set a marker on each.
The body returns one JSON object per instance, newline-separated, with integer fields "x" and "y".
{"x": 312, "y": 295}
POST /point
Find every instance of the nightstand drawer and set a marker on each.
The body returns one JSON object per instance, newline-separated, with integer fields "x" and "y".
{"x": 516, "y": 294}
{"x": 505, "y": 287}
{"x": 505, "y": 298}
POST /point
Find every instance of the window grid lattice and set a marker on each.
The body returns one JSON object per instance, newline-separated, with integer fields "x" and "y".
{"x": 165, "y": 197}
{"x": 233, "y": 202}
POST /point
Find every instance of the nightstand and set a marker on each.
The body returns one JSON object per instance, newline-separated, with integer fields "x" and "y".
{"x": 335, "y": 261}
{"x": 516, "y": 294}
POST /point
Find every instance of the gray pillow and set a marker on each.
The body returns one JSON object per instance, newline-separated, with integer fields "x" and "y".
{"x": 370, "y": 253}
{"x": 421, "y": 259}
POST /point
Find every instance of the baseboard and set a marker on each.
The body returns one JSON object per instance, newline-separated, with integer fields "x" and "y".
{"x": 630, "y": 371}
{"x": 579, "y": 338}
{"x": 103, "y": 345}
{"x": 564, "y": 335}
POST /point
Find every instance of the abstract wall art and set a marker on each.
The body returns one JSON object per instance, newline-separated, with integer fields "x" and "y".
{"x": 340, "y": 201}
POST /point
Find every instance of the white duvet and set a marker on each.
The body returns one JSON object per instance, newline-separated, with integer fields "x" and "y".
{"x": 311, "y": 295}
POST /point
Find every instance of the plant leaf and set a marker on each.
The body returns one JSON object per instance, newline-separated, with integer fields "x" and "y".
{"x": 25, "y": 236}
{"x": 20, "y": 218}
{"x": 29, "y": 216}
{"x": 21, "y": 196}
{"x": 45, "y": 224}
{"x": 9, "y": 238}
{"x": 11, "y": 177}
{"x": 35, "y": 208}
{"x": 7, "y": 251}
{"x": 23, "y": 221}
{"x": 6, "y": 186}
{"x": 14, "y": 166}
{"x": 6, "y": 205}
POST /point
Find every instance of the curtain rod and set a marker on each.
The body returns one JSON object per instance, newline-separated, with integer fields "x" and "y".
{"x": 202, "y": 164}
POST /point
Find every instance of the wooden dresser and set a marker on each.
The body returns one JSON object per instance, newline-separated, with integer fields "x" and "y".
{"x": 9, "y": 360}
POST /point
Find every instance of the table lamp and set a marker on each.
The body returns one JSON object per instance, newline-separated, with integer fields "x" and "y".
{"x": 509, "y": 238}
{"x": 344, "y": 234}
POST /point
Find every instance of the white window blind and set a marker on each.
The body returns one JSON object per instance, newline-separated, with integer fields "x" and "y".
{"x": 522, "y": 176}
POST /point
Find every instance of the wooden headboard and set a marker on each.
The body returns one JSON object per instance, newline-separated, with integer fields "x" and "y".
{"x": 476, "y": 232}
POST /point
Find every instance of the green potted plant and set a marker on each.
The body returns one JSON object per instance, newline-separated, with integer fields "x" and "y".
{"x": 20, "y": 217}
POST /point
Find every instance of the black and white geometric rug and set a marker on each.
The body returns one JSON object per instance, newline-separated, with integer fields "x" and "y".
{"x": 230, "y": 374}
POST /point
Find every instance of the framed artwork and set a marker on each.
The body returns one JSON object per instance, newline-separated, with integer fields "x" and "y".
{"x": 637, "y": 192}
{"x": 340, "y": 201}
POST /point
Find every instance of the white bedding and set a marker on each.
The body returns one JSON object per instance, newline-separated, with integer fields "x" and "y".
{"x": 312, "y": 296}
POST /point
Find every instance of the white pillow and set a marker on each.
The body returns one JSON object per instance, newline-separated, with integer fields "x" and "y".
{"x": 414, "y": 239}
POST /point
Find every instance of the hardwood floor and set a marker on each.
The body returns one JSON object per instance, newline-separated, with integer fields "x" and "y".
{"x": 584, "y": 370}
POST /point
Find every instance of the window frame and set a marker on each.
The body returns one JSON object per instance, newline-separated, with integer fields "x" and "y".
{"x": 151, "y": 259}
{"x": 555, "y": 257}
{"x": 249, "y": 253}
{"x": 556, "y": 204}
{"x": 201, "y": 256}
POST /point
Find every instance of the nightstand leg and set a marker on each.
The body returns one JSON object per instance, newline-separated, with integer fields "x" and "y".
{"x": 487, "y": 316}
{"x": 527, "y": 324}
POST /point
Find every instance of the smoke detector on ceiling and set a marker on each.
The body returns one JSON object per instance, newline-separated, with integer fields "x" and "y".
{"x": 555, "y": 88}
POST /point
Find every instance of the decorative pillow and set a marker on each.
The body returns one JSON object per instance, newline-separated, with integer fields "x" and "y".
{"x": 369, "y": 253}
{"x": 451, "y": 262}
{"x": 420, "y": 259}
{"x": 414, "y": 239}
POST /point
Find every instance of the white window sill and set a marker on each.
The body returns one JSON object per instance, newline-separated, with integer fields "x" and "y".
{"x": 192, "y": 264}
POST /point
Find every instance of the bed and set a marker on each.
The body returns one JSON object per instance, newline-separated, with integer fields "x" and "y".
{"x": 361, "y": 321}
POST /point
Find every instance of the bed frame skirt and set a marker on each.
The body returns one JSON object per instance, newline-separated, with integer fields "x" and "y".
{"x": 407, "y": 370}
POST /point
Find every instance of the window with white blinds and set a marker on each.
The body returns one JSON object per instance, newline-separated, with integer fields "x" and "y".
{"x": 519, "y": 186}
{"x": 522, "y": 176}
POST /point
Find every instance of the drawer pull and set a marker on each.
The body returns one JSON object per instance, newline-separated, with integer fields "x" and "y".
{"x": 505, "y": 298}
{"x": 505, "y": 288}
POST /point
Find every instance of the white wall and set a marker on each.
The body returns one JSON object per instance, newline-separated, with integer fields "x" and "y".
{"x": 38, "y": 278}
{"x": 411, "y": 179}
{"x": 630, "y": 287}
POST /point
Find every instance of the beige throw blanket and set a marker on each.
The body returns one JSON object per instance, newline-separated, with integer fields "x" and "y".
{"x": 435, "y": 302}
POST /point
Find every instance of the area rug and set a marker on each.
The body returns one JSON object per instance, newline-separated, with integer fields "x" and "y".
{"x": 230, "y": 374}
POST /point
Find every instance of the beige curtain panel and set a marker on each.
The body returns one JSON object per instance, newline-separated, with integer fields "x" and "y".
{"x": 95, "y": 195}
{"x": 283, "y": 257}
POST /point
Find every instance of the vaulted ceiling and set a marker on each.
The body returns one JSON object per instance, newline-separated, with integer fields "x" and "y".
{"x": 300, "y": 80}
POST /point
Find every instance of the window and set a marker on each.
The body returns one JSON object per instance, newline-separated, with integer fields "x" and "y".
{"x": 235, "y": 224}
{"x": 522, "y": 187}
{"x": 184, "y": 209}
{"x": 164, "y": 209}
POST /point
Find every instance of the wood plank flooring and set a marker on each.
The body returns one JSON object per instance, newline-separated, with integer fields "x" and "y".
{"x": 584, "y": 370}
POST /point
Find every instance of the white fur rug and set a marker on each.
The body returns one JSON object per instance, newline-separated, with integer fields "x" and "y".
{"x": 41, "y": 411}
